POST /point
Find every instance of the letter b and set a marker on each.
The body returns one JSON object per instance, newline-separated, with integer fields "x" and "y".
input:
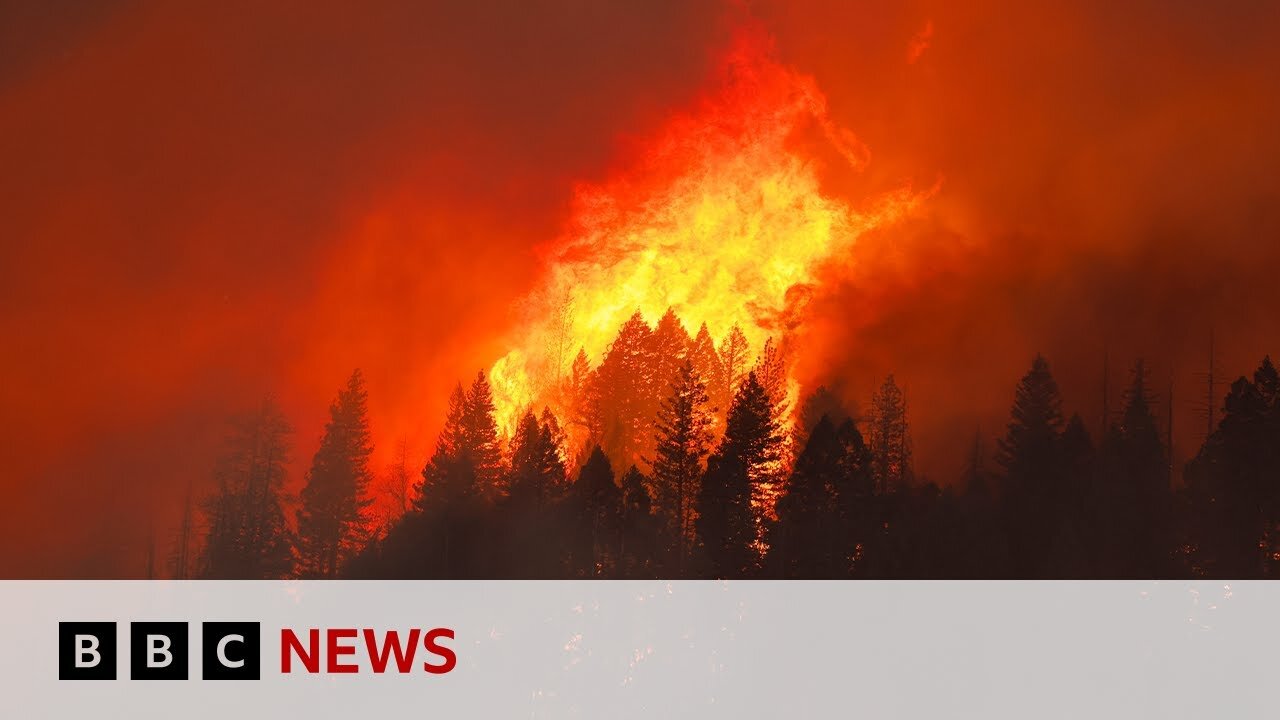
{"x": 158, "y": 650}
{"x": 86, "y": 651}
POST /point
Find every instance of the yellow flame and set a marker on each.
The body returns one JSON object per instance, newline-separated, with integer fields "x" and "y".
{"x": 723, "y": 220}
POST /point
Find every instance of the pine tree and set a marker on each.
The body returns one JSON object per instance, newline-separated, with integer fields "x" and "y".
{"x": 860, "y": 520}
{"x": 725, "y": 523}
{"x": 1078, "y": 494}
{"x": 626, "y": 400}
{"x": 248, "y": 536}
{"x": 751, "y": 432}
{"x": 537, "y": 469}
{"x": 808, "y": 539}
{"x": 1074, "y": 506}
{"x": 1267, "y": 379}
{"x": 771, "y": 371}
{"x": 668, "y": 350}
{"x": 478, "y": 437}
{"x": 458, "y": 485}
{"x": 684, "y": 439}
{"x": 735, "y": 360}
{"x": 821, "y": 402}
{"x": 552, "y": 443}
{"x": 1036, "y": 421}
{"x": 586, "y": 423}
{"x": 1232, "y": 483}
{"x": 747, "y": 456}
{"x": 890, "y": 438}
{"x": 597, "y": 505}
{"x": 706, "y": 362}
{"x": 526, "y": 485}
{"x": 639, "y": 536}
{"x": 528, "y": 520}
{"x": 332, "y": 520}
{"x": 1029, "y": 454}
{"x": 1133, "y": 496}
{"x": 444, "y": 479}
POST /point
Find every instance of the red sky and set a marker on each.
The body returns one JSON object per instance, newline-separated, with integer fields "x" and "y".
{"x": 201, "y": 205}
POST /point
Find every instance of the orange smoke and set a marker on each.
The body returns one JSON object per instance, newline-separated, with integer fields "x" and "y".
{"x": 722, "y": 219}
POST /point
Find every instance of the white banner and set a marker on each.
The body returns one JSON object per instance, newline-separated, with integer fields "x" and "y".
{"x": 640, "y": 649}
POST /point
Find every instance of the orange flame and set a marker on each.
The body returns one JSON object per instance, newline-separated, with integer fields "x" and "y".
{"x": 721, "y": 220}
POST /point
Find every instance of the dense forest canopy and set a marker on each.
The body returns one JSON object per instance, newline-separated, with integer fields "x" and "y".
{"x": 683, "y": 457}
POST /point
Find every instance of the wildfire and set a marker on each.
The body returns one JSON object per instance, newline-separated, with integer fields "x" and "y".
{"x": 721, "y": 219}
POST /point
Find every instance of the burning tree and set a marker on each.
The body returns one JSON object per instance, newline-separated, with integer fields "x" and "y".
{"x": 890, "y": 440}
{"x": 684, "y": 439}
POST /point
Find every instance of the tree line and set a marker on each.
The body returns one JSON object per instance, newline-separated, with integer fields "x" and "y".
{"x": 682, "y": 457}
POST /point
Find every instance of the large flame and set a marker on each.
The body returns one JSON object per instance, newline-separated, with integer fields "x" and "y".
{"x": 722, "y": 219}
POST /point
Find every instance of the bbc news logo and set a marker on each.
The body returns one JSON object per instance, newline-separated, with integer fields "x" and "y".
{"x": 233, "y": 651}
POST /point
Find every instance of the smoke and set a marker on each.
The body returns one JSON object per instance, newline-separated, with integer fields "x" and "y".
{"x": 203, "y": 205}
{"x": 1108, "y": 191}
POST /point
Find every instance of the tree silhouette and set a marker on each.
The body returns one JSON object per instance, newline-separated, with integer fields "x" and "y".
{"x": 751, "y": 432}
{"x": 458, "y": 483}
{"x": 639, "y": 543}
{"x": 1232, "y": 483}
{"x": 1135, "y": 497}
{"x": 597, "y": 510}
{"x": 860, "y": 517}
{"x": 528, "y": 519}
{"x": 478, "y": 437}
{"x": 809, "y": 538}
{"x": 626, "y": 401}
{"x": 822, "y": 402}
{"x": 537, "y": 469}
{"x": 1029, "y": 454}
{"x": 726, "y": 526}
{"x": 730, "y": 521}
{"x": 586, "y": 420}
{"x": 684, "y": 439}
{"x": 1058, "y": 505}
{"x": 771, "y": 371}
{"x": 890, "y": 441}
{"x": 1074, "y": 547}
{"x": 248, "y": 536}
{"x": 706, "y": 362}
{"x": 984, "y": 533}
{"x": 444, "y": 479}
{"x": 668, "y": 350}
{"x": 332, "y": 519}
{"x": 735, "y": 361}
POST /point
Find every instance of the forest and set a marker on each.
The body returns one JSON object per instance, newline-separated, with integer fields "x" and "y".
{"x": 678, "y": 456}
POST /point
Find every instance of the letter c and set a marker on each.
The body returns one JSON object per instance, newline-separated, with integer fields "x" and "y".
{"x": 222, "y": 651}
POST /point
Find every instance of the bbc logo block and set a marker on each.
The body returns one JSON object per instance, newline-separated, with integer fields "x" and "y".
{"x": 158, "y": 651}
{"x": 231, "y": 651}
{"x": 86, "y": 651}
